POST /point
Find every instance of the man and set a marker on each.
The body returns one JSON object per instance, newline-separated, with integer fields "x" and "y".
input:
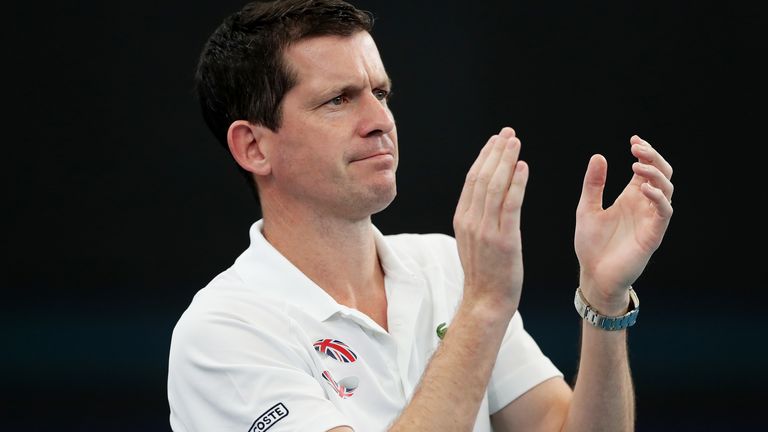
{"x": 323, "y": 323}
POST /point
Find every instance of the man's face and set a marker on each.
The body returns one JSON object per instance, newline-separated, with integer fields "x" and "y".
{"x": 336, "y": 149}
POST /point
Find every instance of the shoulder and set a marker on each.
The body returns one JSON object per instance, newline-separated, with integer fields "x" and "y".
{"x": 226, "y": 311}
{"x": 229, "y": 293}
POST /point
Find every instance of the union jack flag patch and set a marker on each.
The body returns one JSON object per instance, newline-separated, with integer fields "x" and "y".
{"x": 345, "y": 388}
{"x": 335, "y": 349}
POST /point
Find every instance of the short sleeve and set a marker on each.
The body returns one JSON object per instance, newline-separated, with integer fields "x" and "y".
{"x": 519, "y": 367}
{"x": 520, "y": 364}
{"x": 232, "y": 373}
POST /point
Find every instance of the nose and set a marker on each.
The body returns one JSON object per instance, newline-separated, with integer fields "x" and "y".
{"x": 376, "y": 118}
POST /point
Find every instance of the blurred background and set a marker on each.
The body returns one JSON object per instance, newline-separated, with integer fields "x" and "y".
{"x": 120, "y": 204}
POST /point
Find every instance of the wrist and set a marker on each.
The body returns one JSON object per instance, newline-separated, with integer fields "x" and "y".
{"x": 593, "y": 315}
{"x": 490, "y": 299}
{"x": 480, "y": 318}
{"x": 617, "y": 302}
{"x": 487, "y": 309}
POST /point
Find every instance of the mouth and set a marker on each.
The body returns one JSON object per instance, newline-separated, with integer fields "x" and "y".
{"x": 382, "y": 155}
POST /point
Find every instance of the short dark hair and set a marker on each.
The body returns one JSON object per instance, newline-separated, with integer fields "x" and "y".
{"x": 241, "y": 73}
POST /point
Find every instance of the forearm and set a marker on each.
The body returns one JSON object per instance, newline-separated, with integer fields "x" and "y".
{"x": 488, "y": 241}
{"x": 450, "y": 392}
{"x": 603, "y": 397}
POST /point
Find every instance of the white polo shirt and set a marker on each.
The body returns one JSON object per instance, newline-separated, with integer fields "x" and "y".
{"x": 262, "y": 347}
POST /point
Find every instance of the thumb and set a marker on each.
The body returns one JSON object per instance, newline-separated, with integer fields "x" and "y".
{"x": 594, "y": 183}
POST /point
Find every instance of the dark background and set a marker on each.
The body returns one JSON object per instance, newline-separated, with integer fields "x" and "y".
{"x": 121, "y": 205}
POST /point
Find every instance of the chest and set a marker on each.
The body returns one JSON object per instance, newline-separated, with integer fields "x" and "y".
{"x": 369, "y": 374}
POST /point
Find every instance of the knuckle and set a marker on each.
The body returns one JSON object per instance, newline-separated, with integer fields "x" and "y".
{"x": 496, "y": 188}
{"x": 467, "y": 224}
{"x": 511, "y": 204}
{"x": 459, "y": 222}
{"x": 487, "y": 236}
{"x": 509, "y": 247}
{"x": 483, "y": 179}
{"x": 471, "y": 179}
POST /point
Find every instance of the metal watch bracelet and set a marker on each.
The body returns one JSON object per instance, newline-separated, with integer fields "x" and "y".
{"x": 592, "y": 316}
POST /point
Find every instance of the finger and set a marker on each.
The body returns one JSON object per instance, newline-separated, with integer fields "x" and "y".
{"x": 646, "y": 154}
{"x": 469, "y": 183}
{"x": 507, "y": 132}
{"x": 655, "y": 177}
{"x": 659, "y": 200}
{"x": 480, "y": 191}
{"x": 465, "y": 199}
{"x": 513, "y": 201}
{"x": 594, "y": 183}
{"x": 500, "y": 182}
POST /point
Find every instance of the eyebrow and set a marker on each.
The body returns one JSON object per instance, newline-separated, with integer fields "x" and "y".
{"x": 352, "y": 89}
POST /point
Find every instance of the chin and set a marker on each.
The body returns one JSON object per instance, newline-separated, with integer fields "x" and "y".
{"x": 374, "y": 200}
{"x": 386, "y": 200}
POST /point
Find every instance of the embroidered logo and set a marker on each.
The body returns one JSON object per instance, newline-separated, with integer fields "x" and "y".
{"x": 335, "y": 349}
{"x": 441, "y": 330}
{"x": 269, "y": 418}
{"x": 345, "y": 388}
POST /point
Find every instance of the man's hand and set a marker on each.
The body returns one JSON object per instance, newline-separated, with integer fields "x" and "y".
{"x": 487, "y": 224}
{"x": 614, "y": 245}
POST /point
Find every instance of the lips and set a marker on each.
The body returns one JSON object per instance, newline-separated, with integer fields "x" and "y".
{"x": 378, "y": 154}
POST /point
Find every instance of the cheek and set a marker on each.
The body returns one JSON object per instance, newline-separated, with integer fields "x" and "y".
{"x": 287, "y": 162}
{"x": 310, "y": 165}
{"x": 393, "y": 138}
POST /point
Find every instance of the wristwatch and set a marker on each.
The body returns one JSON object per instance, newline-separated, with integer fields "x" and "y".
{"x": 592, "y": 316}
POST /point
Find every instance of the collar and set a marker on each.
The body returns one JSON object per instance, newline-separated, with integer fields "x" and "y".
{"x": 264, "y": 268}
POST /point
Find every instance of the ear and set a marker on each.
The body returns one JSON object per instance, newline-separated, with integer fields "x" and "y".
{"x": 248, "y": 147}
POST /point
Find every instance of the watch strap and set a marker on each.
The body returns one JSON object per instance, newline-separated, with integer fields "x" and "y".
{"x": 605, "y": 322}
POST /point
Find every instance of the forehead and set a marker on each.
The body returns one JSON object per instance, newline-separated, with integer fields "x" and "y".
{"x": 327, "y": 60}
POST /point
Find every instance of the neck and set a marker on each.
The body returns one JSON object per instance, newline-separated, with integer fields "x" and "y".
{"x": 339, "y": 255}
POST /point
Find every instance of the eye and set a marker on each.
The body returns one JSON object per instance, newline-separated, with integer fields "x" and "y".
{"x": 382, "y": 94}
{"x": 339, "y": 100}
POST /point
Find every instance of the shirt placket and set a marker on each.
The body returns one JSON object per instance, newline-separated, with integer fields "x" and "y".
{"x": 405, "y": 303}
